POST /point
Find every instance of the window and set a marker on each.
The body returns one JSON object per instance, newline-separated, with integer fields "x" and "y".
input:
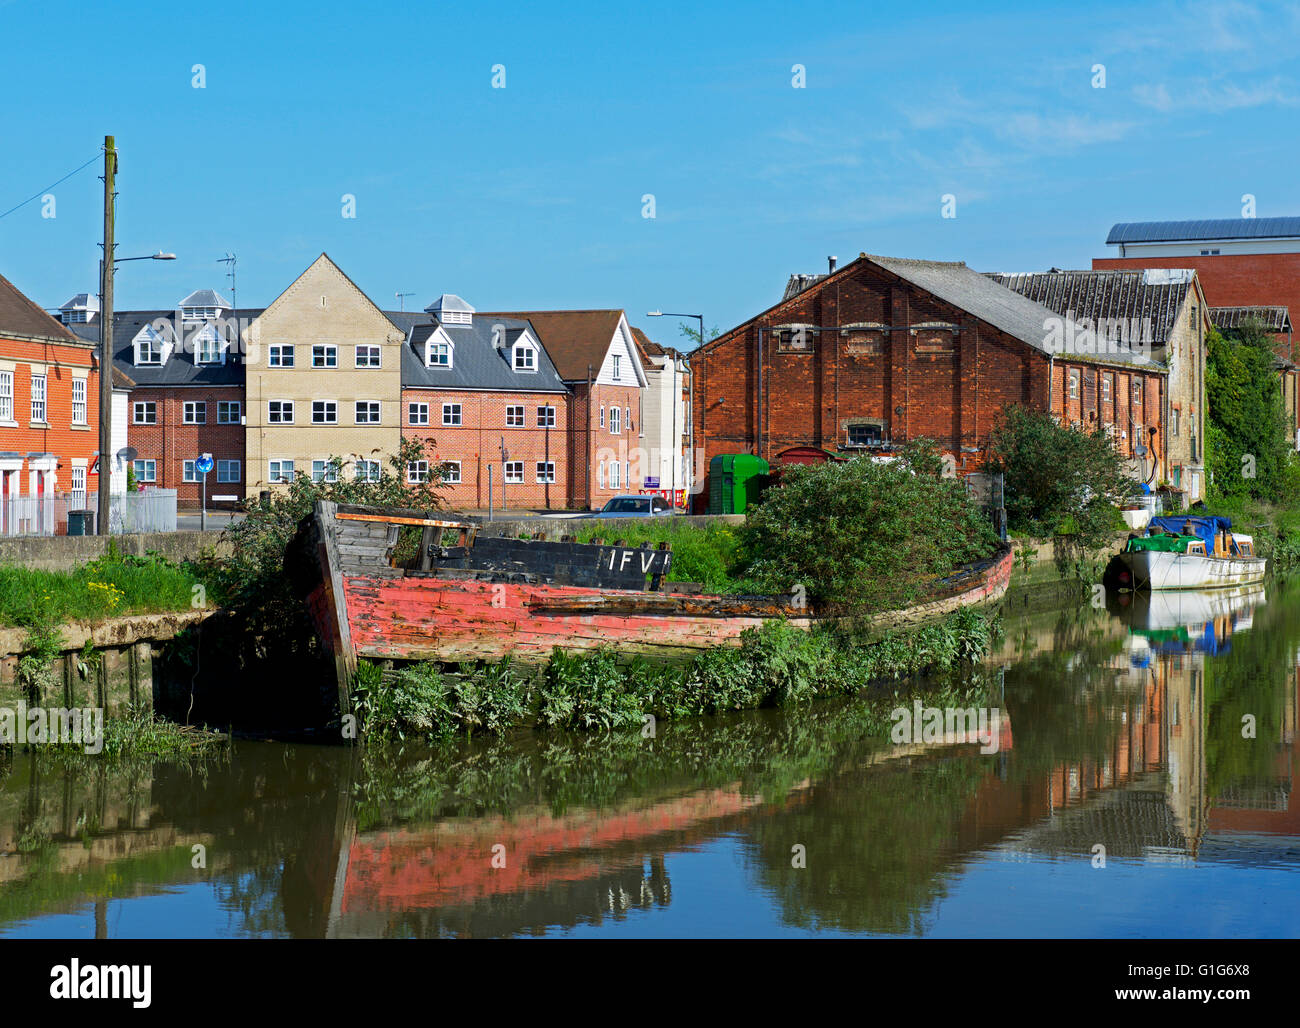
{"x": 209, "y": 349}
{"x": 324, "y": 412}
{"x": 194, "y": 412}
{"x": 417, "y": 471}
{"x": 280, "y": 356}
{"x": 78, "y": 480}
{"x": 279, "y": 412}
{"x": 145, "y": 470}
{"x": 144, "y": 412}
{"x": 367, "y": 412}
{"x": 545, "y": 417}
{"x": 451, "y": 472}
{"x": 514, "y": 416}
{"x": 229, "y": 412}
{"x": 417, "y": 413}
{"x": 627, "y": 418}
{"x": 189, "y": 471}
{"x": 150, "y": 349}
{"x": 602, "y": 415}
{"x": 368, "y": 471}
{"x": 38, "y": 398}
{"x": 514, "y": 471}
{"x": 78, "y": 401}
{"x": 437, "y": 355}
{"x": 281, "y": 471}
{"x": 229, "y": 470}
{"x": 451, "y": 414}
{"x": 324, "y": 356}
{"x": 525, "y": 357}
{"x": 615, "y": 417}
{"x": 1074, "y": 385}
{"x": 1137, "y": 392}
{"x": 614, "y": 480}
{"x": 864, "y": 342}
{"x": 618, "y": 367}
{"x": 367, "y": 356}
{"x": 794, "y": 339}
{"x": 934, "y": 341}
{"x": 1173, "y": 420}
{"x": 324, "y": 471}
{"x": 546, "y": 471}
{"x": 6, "y": 396}
{"x": 866, "y": 435}
{"x": 600, "y": 475}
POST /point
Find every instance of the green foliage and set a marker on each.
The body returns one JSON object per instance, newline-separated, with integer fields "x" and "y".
{"x": 1058, "y": 480}
{"x": 703, "y": 554}
{"x": 777, "y": 665}
{"x": 863, "y": 535}
{"x": 1247, "y": 420}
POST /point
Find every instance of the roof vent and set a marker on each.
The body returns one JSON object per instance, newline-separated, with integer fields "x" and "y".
{"x": 830, "y": 263}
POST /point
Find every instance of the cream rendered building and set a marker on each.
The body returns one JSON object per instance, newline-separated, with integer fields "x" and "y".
{"x": 323, "y": 381}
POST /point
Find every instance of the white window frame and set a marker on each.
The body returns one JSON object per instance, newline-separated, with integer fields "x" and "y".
{"x": 452, "y": 418}
{"x": 615, "y": 420}
{"x": 515, "y": 415}
{"x": 417, "y": 413}
{"x": 367, "y": 404}
{"x": 234, "y": 412}
{"x": 513, "y": 472}
{"x": 373, "y": 354}
{"x": 526, "y": 351}
{"x": 149, "y": 350}
{"x": 230, "y": 471}
{"x": 276, "y": 354}
{"x": 325, "y": 412}
{"x": 271, "y": 419}
{"x": 324, "y": 356}
{"x": 451, "y": 472}
{"x": 277, "y": 470}
{"x": 615, "y": 476}
{"x": 208, "y": 349}
{"x": 441, "y": 349}
{"x": 367, "y": 471}
{"x": 189, "y": 471}
{"x": 151, "y": 412}
{"x": 546, "y": 416}
{"x": 77, "y": 479}
{"x": 417, "y": 471}
{"x": 546, "y": 472}
{"x": 324, "y": 470}
{"x": 617, "y": 370}
{"x": 139, "y": 464}
{"x": 79, "y": 405}
{"x": 7, "y": 396}
{"x": 194, "y": 412}
{"x": 40, "y": 399}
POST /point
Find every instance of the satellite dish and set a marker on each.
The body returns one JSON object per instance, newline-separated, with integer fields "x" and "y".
{"x": 128, "y": 453}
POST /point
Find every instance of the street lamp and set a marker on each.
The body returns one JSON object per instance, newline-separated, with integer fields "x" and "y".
{"x": 106, "y": 272}
{"x": 690, "y": 417}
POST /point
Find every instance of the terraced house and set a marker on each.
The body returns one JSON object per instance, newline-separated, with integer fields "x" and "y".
{"x": 483, "y": 391}
{"x": 324, "y": 383}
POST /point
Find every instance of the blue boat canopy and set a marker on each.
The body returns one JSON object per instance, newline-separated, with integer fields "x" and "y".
{"x": 1203, "y": 526}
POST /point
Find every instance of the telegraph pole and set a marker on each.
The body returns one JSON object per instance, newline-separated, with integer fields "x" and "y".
{"x": 106, "y": 341}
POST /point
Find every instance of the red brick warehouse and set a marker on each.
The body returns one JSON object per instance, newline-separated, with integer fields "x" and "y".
{"x": 884, "y": 350}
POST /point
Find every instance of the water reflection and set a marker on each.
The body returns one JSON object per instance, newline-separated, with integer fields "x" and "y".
{"x": 1163, "y": 729}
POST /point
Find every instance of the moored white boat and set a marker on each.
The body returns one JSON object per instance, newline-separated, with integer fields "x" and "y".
{"x": 1231, "y": 560}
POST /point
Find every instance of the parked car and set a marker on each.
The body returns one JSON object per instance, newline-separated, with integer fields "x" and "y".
{"x": 635, "y": 507}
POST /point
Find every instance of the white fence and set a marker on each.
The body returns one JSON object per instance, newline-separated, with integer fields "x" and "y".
{"x": 149, "y": 510}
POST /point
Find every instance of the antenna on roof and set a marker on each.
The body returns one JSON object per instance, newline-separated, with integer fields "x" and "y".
{"x": 401, "y": 300}
{"x": 231, "y": 261}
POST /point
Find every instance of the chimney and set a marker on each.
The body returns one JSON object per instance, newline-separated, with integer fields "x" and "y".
{"x": 831, "y": 261}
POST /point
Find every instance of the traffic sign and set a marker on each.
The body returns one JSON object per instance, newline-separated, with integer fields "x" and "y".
{"x": 204, "y": 464}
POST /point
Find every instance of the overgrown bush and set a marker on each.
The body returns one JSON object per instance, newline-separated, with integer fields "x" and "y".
{"x": 863, "y": 535}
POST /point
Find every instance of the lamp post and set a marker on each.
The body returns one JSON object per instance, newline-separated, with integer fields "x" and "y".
{"x": 690, "y": 414}
{"x": 107, "y": 268}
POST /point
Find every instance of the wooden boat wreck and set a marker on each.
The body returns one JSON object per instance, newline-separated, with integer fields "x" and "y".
{"x": 471, "y": 596}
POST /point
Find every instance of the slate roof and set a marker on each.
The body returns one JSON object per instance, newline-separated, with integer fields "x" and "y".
{"x": 449, "y": 302}
{"x": 573, "y": 339}
{"x": 21, "y": 316}
{"x": 1106, "y": 296}
{"x": 205, "y": 298}
{"x": 980, "y": 295}
{"x": 1203, "y": 230}
{"x": 180, "y": 369}
{"x": 1274, "y": 319}
{"x": 476, "y": 364}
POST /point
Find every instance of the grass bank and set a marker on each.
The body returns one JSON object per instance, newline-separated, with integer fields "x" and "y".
{"x": 110, "y": 586}
{"x": 777, "y": 665}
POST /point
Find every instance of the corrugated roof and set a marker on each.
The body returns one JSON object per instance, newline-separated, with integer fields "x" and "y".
{"x": 1274, "y": 319}
{"x": 1152, "y": 301}
{"x": 574, "y": 339}
{"x": 21, "y": 316}
{"x": 476, "y": 363}
{"x": 1206, "y": 229}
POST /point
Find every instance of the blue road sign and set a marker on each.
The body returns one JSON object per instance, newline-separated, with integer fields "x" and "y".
{"x": 203, "y": 465}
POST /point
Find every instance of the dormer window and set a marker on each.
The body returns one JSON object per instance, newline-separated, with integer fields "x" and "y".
{"x": 524, "y": 357}
{"x": 437, "y": 354}
{"x": 208, "y": 349}
{"x": 149, "y": 349}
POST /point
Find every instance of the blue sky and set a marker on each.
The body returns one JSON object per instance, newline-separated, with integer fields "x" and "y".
{"x": 531, "y": 196}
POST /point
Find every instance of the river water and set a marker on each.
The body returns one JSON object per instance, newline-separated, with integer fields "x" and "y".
{"x": 1142, "y": 786}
